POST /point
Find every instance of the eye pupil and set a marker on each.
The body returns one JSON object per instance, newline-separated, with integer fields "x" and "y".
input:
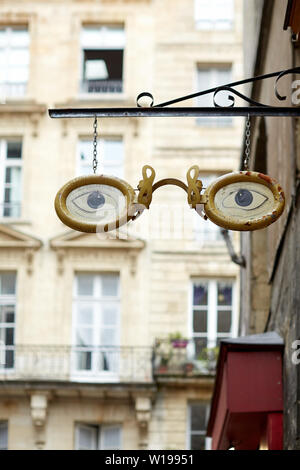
{"x": 243, "y": 198}
{"x": 95, "y": 200}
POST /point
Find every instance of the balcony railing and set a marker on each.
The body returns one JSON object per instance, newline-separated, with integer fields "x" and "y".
{"x": 12, "y": 90}
{"x": 102, "y": 86}
{"x": 78, "y": 364}
{"x": 181, "y": 358}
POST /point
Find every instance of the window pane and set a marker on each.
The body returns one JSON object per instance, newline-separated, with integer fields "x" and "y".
{"x": 113, "y": 60}
{"x": 84, "y": 360}
{"x": 224, "y": 293}
{"x": 87, "y": 437}
{"x": 113, "y": 150}
{"x": 111, "y": 162}
{"x": 84, "y": 337}
{"x": 18, "y": 57}
{"x": 200, "y": 321}
{"x": 200, "y": 344}
{"x": 103, "y": 37}
{"x": 85, "y": 315}
{"x": 200, "y": 294}
{"x": 224, "y": 321}
{"x": 197, "y": 442}
{"x": 19, "y": 37}
{"x": 18, "y": 74}
{"x": 3, "y": 436}
{"x": 108, "y": 337}
{"x": 198, "y": 416}
{"x": 214, "y": 14}
{"x": 7, "y": 313}
{"x": 9, "y": 336}
{"x": 9, "y": 359}
{"x": 8, "y": 283}
{"x": 110, "y": 315}
{"x": 3, "y": 37}
{"x": 110, "y": 438}
{"x": 13, "y": 176}
{"x": 85, "y": 284}
{"x": 110, "y": 285}
{"x": 14, "y": 149}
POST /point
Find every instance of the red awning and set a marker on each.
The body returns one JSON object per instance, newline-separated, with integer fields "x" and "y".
{"x": 247, "y": 404}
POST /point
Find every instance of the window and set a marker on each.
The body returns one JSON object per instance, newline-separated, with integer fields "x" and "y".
{"x": 96, "y": 324}
{"x": 110, "y": 157}
{"x": 205, "y": 230}
{"x": 214, "y": 313}
{"x": 7, "y": 319}
{"x": 102, "y": 59}
{"x": 93, "y": 437}
{"x": 198, "y": 413}
{"x": 210, "y": 78}
{"x": 14, "y": 61}
{"x": 3, "y": 435}
{"x": 214, "y": 14}
{"x": 10, "y": 178}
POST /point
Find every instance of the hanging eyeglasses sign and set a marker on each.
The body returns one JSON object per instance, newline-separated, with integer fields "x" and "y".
{"x": 243, "y": 200}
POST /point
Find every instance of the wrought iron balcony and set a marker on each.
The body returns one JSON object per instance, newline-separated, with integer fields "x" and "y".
{"x": 76, "y": 364}
{"x": 12, "y": 90}
{"x": 183, "y": 358}
{"x": 102, "y": 86}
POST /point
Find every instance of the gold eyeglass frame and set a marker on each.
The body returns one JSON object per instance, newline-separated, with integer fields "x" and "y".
{"x": 66, "y": 217}
{"x": 135, "y": 204}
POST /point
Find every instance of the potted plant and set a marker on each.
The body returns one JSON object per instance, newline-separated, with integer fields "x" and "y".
{"x": 177, "y": 340}
{"x": 163, "y": 354}
{"x": 207, "y": 359}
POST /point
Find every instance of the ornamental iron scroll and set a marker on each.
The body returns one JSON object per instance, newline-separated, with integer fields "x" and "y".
{"x": 240, "y": 201}
{"x": 165, "y": 110}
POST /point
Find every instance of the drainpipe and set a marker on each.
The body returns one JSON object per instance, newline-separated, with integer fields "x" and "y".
{"x": 237, "y": 259}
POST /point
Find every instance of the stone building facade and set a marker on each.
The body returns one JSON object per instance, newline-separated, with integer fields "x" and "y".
{"x": 86, "y": 356}
{"x": 269, "y": 284}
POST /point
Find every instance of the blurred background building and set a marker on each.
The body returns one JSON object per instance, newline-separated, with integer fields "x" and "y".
{"x": 86, "y": 324}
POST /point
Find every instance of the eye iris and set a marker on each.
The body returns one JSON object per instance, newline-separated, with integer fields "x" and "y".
{"x": 243, "y": 198}
{"x": 95, "y": 200}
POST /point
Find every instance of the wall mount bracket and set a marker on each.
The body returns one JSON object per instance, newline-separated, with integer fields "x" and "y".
{"x": 162, "y": 110}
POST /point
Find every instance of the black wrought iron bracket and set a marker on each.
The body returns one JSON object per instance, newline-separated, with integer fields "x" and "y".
{"x": 162, "y": 110}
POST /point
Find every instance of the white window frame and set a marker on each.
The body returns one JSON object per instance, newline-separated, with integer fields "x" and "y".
{"x": 4, "y": 429}
{"x": 212, "y": 310}
{"x": 7, "y": 87}
{"x": 98, "y": 432}
{"x": 211, "y": 21}
{"x": 8, "y": 299}
{"x": 212, "y": 81}
{"x": 4, "y": 164}
{"x": 94, "y": 374}
{"x": 200, "y": 432}
{"x": 103, "y": 158}
{"x": 102, "y": 44}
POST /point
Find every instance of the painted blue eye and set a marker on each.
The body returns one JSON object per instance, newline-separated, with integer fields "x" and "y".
{"x": 96, "y": 202}
{"x": 93, "y": 199}
{"x": 245, "y": 199}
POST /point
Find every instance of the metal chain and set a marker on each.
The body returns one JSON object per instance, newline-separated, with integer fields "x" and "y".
{"x": 95, "y": 161}
{"x": 247, "y": 144}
